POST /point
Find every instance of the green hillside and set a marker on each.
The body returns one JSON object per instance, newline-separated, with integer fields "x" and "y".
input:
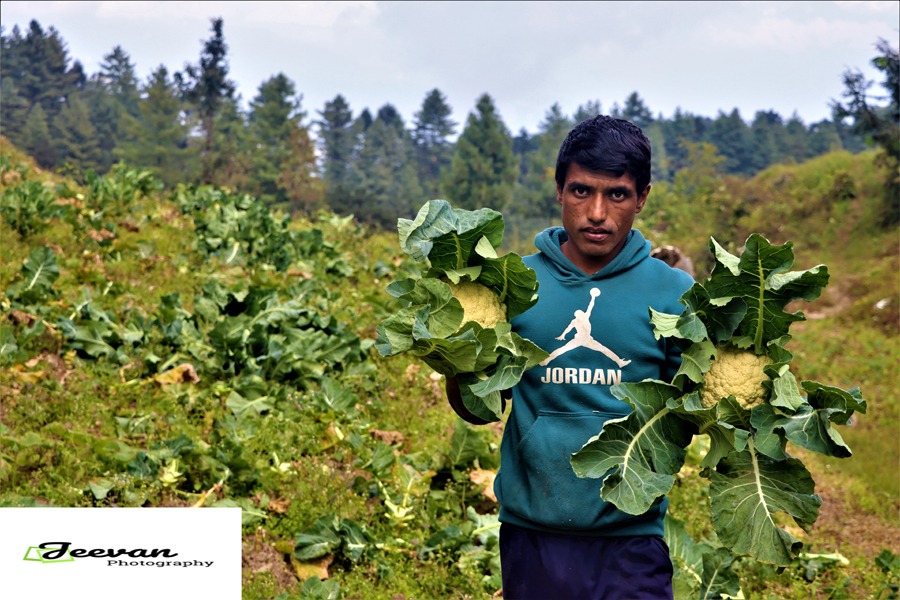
{"x": 189, "y": 347}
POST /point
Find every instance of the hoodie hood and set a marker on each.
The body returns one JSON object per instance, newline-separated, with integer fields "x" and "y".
{"x": 636, "y": 249}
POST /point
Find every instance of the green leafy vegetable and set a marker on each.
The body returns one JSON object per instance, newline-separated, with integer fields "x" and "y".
{"x": 36, "y": 279}
{"x": 329, "y": 534}
{"x": 746, "y": 490}
{"x": 640, "y": 453}
{"x": 456, "y": 317}
{"x": 29, "y": 208}
{"x": 702, "y": 570}
{"x": 241, "y": 230}
{"x": 735, "y": 386}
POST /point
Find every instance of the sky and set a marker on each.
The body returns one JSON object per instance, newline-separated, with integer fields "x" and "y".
{"x": 700, "y": 56}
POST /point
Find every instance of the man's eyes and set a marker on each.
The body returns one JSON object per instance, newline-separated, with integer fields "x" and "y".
{"x": 584, "y": 192}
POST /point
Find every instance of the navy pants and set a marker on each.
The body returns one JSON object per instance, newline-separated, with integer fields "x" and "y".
{"x": 544, "y": 566}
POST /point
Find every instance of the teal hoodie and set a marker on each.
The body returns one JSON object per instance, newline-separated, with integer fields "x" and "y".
{"x": 598, "y": 333}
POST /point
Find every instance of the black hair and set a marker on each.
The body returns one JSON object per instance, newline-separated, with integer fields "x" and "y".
{"x": 605, "y": 143}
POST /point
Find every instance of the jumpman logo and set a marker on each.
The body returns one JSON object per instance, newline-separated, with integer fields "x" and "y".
{"x": 582, "y": 325}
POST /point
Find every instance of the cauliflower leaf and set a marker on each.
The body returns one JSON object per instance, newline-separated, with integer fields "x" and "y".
{"x": 636, "y": 456}
{"x": 760, "y": 279}
{"x": 734, "y": 385}
{"x": 747, "y": 489}
{"x": 455, "y": 317}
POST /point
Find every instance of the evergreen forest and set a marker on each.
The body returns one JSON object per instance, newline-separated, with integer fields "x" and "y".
{"x": 188, "y": 126}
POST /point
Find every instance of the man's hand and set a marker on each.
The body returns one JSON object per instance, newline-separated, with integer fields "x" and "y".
{"x": 690, "y": 428}
{"x": 455, "y": 398}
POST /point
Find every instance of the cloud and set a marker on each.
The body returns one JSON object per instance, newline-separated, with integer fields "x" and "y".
{"x": 313, "y": 14}
{"x": 874, "y": 6}
{"x": 277, "y": 15}
{"x": 791, "y": 35}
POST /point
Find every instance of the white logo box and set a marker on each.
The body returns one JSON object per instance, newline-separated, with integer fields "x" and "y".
{"x": 133, "y": 553}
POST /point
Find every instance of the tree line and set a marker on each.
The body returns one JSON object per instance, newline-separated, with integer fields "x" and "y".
{"x": 189, "y": 126}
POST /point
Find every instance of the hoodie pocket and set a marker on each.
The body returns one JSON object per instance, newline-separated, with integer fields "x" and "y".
{"x": 541, "y": 486}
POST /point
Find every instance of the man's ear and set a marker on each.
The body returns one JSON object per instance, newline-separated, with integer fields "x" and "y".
{"x": 558, "y": 194}
{"x": 642, "y": 199}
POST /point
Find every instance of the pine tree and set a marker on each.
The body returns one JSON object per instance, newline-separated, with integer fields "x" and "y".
{"x": 359, "y": 129}
{"x": 824, "y": 137}
{"x": 35, "y": 71}
{"x": 636, "y": 111}
{"x": 434, "y": 151}
{"x": 76, "y": 137}
{"x": 523, "y": 144}
{"x": 659, "y": 158}
{"x": 339, "y": 141}
{"x": 11, "y": 66}
{"x": 796, "y": 139}
{"x": 880, "y": 124}
{"x": 553, "y": 130}
{"x": 588, "y": 110}
{"x": 388, "y": 115}
{"x": 118, "y": 79}
{"x": 13, "y": 112}
{"x": 767, "y": 144}
{"x": 274, "y": 111}
{"x": 111, "y": 95}
{"x": 363, "y": 122}
{"x": 484, "y": 169}
{"x": 157, "y": 139}
{"x": 38, "y": 65}
{"x": 383, "y": 184}
{"x": 274, "y": 115}
{"x": 540, "y": 182}
{"x": 851, "y": 140}
{"x": 232, "y": 156}
{"x": 36, "y": 138}
{"x": 731, "y": 136}
{"x": 681, "y": 129}
{"x": 298, "y": 178}
{"x": 106, "y": 116}
{"x": 695, "y": 198}
{"x": 209, "y": 90}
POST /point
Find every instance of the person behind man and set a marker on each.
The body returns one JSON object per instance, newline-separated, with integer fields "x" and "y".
{"x": 558, "y": 538}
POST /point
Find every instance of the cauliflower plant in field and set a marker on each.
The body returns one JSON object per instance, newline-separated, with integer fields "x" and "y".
{"x": 735, "y": 372}
{"x": 455, "y": 316}
{"x": 480, "y": 303}
{"x": 735, "y": 386}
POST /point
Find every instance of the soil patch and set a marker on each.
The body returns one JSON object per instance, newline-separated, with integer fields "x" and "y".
{"x": 848, "y": 530}
{"x": 258, "y": 555}
{"x": 843, "y": 527}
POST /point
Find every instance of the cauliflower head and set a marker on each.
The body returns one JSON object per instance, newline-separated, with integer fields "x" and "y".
{"x": 738, "y": 372}
{"x": 480, "y": 303}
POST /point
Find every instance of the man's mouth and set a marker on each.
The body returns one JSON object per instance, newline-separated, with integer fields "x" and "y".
{"x": 596, "y": 234}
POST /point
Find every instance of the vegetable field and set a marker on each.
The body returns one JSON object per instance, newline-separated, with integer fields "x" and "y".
{"x": 190, "y": 347}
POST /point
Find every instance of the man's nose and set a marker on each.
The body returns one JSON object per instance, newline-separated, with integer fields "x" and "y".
{"x": 597, "y": 209}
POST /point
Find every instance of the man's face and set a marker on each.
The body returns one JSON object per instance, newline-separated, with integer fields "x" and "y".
{"x": 598, "y": 210}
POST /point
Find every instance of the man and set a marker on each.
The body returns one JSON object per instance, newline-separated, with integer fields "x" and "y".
{"x": 558, "y": 539}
